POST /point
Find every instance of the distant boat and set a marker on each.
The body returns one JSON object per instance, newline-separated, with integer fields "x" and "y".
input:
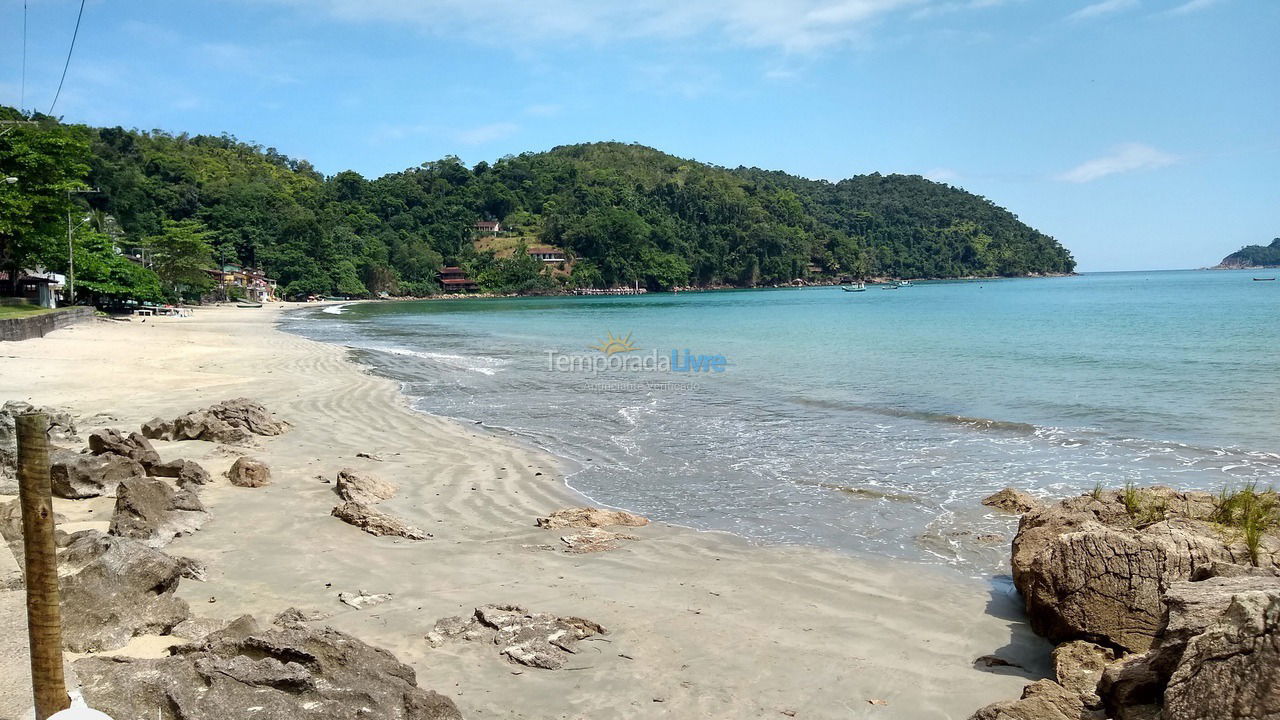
{"x": 905, "y": 283}
{"x": 1263, "y": 279}
{"x": 860, "y": 287}
{"x": 890, "y": 286}
{"x": 249, "y": 305}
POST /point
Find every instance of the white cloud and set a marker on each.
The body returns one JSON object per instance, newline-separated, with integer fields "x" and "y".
{"x": 1130, "y": 157}
{"x": 791, "y": 25}
{"x": 486, "y": 133}
{"x": 1192, "y": 6}
{"x": 1098, "y": 9}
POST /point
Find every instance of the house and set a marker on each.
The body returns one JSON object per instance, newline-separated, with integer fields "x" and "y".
{"x": 252, "y": 282}
{"x": 36, "y": 287}
{"x": 491, "y": 227}
{"x": 454, "y": 279}
{"x": 547, "y": 254}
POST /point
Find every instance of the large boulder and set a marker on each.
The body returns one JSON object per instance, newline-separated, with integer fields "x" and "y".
{"x": 133, "y": 446}
{"x": 362, "y": 487}
{"x": 376, "y": 522}
{"x": 280, "y": 673}
{"x": 250, "y": 473}
{"x": 187, "y": 472}
{"x": 1097, "y": 567}
{"x": 77, "y": 476}
{"x": 1012, "y": 500}
{"x": 148, "y": 509}
{"x": 231, "y": 422}
{"x": 1041, "y": 700}
{"x": 114, "y": 588}
{"x": 61, "y": 427}
{"x": 585, "y": 517}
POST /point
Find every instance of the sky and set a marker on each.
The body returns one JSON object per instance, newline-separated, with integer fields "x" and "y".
{"x": 1142, "y": 134}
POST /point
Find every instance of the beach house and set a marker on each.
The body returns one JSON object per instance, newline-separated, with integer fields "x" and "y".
{"x": 454, "y": 279}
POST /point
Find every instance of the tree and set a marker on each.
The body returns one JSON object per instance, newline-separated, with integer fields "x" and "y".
{"x": 181, "y": 256}
{"x": 101, "y": 272}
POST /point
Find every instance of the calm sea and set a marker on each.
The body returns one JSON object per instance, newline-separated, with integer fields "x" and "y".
{"x": 869, "y": 422}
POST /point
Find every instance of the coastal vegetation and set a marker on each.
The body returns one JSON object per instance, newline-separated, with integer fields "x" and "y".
{"x": 1254, "y": 256}
{"x": 622, "y": 215}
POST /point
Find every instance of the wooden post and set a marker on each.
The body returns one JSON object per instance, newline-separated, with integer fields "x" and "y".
{"x": 44, "y": 615}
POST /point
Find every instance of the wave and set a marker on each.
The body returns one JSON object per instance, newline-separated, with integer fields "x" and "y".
{"x": 473, "y": 363}
{"x": 336, "y": 309}
{"x": 1020, "y": 428}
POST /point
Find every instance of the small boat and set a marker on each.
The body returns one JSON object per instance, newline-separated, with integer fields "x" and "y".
{"x": 1263, "y": 279}
{"x": 905, "y": 283}
{"x": 860, "y": 287}
{"x": 891, "y": 286}
{"x": 249, "y": 305}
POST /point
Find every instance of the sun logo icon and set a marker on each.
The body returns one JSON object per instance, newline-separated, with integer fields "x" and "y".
{"x": 612, "y": 345}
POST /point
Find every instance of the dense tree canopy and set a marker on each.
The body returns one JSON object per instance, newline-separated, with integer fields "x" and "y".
{"x": 1254, "y": 256}
{"x": 623, "y": 213}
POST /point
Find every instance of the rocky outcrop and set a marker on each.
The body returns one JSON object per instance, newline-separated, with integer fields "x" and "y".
{"x": 376, "y": 522}
{"x": 592, "y": 540}
{"x": 231, "y": 422}
{"x": 1097, "y": 568}
{"x": 250, "y": 473}
{"x": 149, "y": 510}
{"x": 62, "y": 427}
{"x": 538, "y": 640}
{"x": 77, "y": 476}
{"x": 133, "y": 446}
{"x": 114, "y": 588}
{"x": 590, "y": 517}
{"x": 280, "y": 673}
{"x": 1012, "y": 500}
{"x": 361, "y": 487}
{"x": 186, "y": 471}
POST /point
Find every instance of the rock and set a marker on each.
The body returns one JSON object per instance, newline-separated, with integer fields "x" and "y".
{"x": 361, "y": 600}
{"x": 76, "y": 476}
{"x": 231, "y": 422}
{"x": 1089, "y": 570}
{"x": 538, "y": 640}
{"x": 114, "y": 588}
{"x": 133, "y": 446}
{"x": 1012, "y": 500}
{"x": 147, "y": 509}
{"x": 1217, "y": 569}
{"x": 1078, "y": 666}
{"x": 362, "y": 487}
{"x": 589, "y": 517}
{"x": 1232, "y": 669}
{"x": 61, "y": 427}
{"x": 376, "y": 522}
{"x": 1041, "y": 700}
{"x": 293, "y": 617}
{"x": 592, "y": 540}
{"x": 186, "y": 471}
{"x": 275, "y": 674}
{"x": 250, "y": 473}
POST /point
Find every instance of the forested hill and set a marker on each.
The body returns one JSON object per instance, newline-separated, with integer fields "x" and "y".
{"x": 1254, "y": 256}
{"x": 623, "y": 214}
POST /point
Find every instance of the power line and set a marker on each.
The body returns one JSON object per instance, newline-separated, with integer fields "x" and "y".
{"x": 68, "y": 63}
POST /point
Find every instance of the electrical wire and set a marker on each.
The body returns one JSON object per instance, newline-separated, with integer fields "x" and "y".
{"x": 74, "y": 35}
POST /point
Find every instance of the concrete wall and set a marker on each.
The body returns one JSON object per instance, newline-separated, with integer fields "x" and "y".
{"x": 36, "y": 326}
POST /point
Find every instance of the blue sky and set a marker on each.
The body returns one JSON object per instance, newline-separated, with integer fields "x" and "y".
{"x": 1143, "y": 134}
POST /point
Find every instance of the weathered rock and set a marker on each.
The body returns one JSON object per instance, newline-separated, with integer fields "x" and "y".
{"x": 61, "y": 427}
{"x": 1088, "y": 569}
{"x": 362, "y": 487}
{"x": 186, "y": 471}
{"x": 376, "y": 522}
{"x": 1078, "y": 666}
{"x": 538, "y": 640}
{"x": 592, "y": 539}
{"x": 231, "y": 422}
{"x": 361, "y": 599}
{"x": 1012, "y": 500}
{"x": 584, "y": 517}
{"x": 147, "y": 509}
{"x": 250, "y": 473}
{"x": 293, "y": 617}
{"x": 77, "y": 476}
{"x": 1232, "y": 670}
{"x": 1041, "y": 700}
{"x": 274, "y": 674}
{"x": 1218, "y": 569}
{"x": 114, "y": 588}
{"x": 133, "y": 446}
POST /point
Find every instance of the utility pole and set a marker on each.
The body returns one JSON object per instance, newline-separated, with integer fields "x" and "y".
{"x": 71, "y": 251}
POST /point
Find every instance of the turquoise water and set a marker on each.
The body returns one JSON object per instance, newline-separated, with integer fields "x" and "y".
{"x": 870, "y": 422}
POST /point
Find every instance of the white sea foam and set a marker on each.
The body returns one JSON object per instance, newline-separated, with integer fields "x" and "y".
{"x": 472, "y": 363}
{"x": 336, "y": 309}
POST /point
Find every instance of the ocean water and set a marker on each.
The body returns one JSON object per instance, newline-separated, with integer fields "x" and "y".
{"x": 868, "y": 422}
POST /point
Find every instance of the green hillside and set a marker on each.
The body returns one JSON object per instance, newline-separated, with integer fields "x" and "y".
{"x": 625, "y": 214}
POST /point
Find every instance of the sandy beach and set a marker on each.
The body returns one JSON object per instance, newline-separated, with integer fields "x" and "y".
{"x": 700, "y": 624}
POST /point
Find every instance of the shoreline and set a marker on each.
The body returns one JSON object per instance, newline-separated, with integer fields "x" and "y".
{"x": 703, "y": 623}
